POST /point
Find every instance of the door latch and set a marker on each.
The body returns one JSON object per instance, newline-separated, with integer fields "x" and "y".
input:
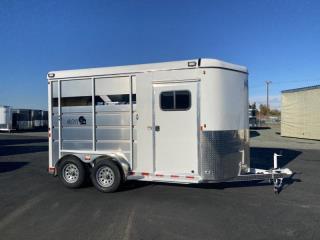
{"x": 156, "y": 128}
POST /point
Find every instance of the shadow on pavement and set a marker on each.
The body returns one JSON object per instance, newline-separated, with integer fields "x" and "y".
{"x": 254, "y": 134}
{"x": 6, "y": 142}
{"x": 263, "y": 157}
{"x": 11, "y": 166}
{"x": 13, "y": 150}
{"x": 260, "y": 128}
{"x": 131, "y": 185}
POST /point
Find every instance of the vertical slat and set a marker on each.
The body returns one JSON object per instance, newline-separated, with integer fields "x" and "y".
{"x": 93, "y": 115}
{"x": 59, "y": 116}
{"x": 131, "y": 123}
{"x": 153, "y": 129}
{"x": 50, "y": 121}
{"x": 198, "y": 129}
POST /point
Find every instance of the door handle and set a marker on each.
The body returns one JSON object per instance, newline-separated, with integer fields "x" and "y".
{"x": 156, "y": 128}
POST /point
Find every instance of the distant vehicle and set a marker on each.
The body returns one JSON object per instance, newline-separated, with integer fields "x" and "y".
{"x": 253, "y": 117}
{"x": 182, "y": 122}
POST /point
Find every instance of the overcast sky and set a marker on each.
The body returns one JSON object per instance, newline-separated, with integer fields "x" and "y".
{"x": 276, "y": 40}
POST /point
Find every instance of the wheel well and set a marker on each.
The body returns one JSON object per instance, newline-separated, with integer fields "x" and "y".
{"x": 65, "y": 157}
{"x": 86, "y": 165}
{"x": 109, "y": 158}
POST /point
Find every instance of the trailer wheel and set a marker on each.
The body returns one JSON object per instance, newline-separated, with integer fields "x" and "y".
{"x": 71, "y": 172}
{"x": 106, "y": 176}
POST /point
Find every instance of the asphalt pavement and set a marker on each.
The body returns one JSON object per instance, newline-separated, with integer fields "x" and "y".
{"x": 35, "y": 205}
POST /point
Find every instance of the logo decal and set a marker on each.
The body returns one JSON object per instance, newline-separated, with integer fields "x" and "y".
{"x": 82, "y": 120}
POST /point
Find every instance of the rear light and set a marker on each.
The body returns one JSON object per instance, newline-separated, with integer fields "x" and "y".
{"x": 49, "y": 133}
{"x": 190, "y": 177}
{"x": 51, "y": 170}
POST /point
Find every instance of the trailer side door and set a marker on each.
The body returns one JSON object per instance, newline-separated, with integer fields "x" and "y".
{"x": 176, "y": 118}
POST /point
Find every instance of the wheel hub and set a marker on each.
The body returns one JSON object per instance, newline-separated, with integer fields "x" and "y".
{"x": 70, "y": 173}
{"x": 105, "y": 176}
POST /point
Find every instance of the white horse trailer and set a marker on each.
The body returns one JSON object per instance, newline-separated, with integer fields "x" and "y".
{"x": 182, "y": 122}
{"x": 5, "y": 118}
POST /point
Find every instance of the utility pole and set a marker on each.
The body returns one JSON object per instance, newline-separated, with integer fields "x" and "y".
{"x": 267, "y": 84}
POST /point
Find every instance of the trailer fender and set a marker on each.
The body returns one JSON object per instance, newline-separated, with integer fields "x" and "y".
{"x": 122, "y": 163}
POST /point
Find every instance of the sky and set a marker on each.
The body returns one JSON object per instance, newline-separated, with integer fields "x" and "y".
{"x": 278, "y": 41}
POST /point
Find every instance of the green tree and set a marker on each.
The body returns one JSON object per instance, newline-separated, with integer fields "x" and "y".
{"x": 275, "y": 112}
{"x": 263, "y": 109}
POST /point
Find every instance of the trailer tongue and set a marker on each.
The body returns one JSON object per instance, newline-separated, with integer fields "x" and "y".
{"x": 274, "y": 175}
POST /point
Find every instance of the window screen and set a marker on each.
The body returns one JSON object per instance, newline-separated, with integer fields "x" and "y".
{"x": 175, "y": 100}
{"x": 119, "y": 99}
{"x": 73, "y": 101}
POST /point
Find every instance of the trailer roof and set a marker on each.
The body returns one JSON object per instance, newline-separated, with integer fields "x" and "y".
{"x": 129, "y": 69}
{"x": 301, "y": 89}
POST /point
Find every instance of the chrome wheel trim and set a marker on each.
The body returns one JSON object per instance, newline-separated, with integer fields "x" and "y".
{"x": 105, "y": 176}
{"x": 70, "y": 173}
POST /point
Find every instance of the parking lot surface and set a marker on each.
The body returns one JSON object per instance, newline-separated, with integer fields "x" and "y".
{"x": 35, "y": 205}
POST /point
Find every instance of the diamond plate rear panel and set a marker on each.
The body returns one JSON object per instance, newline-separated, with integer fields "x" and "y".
{"x": 224, "y": 154}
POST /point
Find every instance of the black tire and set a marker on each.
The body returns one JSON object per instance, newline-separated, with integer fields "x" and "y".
{"x": 71, "y": 172}
{"x": 106, "y": 176}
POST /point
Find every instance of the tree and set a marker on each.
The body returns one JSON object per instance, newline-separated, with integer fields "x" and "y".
{"x": 275, "y": 112}
{"x": 263, "y": 109}
{"x": 253, "y": 106}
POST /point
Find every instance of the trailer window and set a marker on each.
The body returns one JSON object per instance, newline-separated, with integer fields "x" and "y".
{"x": 117, "y": 99}
{"x": 54, "y": 102}
{"x": 76, "y": 101}
{"x": 175, "y": 100}
{"x": 167, "y": 100}
{"x": 73, "y": 101}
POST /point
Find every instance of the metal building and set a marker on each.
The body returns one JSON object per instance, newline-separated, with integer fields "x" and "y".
{"x": 300, "y": 112}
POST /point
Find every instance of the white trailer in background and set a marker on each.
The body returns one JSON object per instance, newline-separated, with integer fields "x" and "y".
{"x": 22, "y": 119}
{"x": 5, "y": 118}
{"x": 182, "y": 122}
{"x": 29, "y": 119}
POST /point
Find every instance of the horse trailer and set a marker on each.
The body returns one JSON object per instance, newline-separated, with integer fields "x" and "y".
{"x": 181, "y": 122}
{"x": 5, "y": 118}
